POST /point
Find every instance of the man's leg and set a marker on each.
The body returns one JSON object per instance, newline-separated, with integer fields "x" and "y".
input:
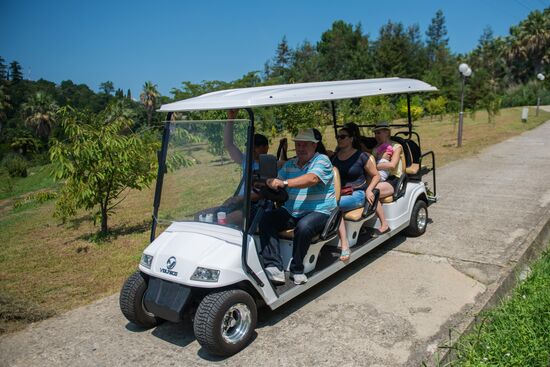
{"x": 271, "y": 224}
{"x": 308, "y": 226}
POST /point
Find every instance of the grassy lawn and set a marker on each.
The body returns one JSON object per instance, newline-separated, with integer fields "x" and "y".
{"x": 517, "y": 333}
{"x": 38, "y": 178}
{"x": 47, "y": 267}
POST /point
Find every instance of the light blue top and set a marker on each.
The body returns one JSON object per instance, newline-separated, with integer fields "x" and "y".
{"x": 319, "y": 198}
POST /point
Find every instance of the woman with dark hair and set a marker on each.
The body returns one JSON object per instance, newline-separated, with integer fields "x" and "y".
{"x": 358, "y": 176}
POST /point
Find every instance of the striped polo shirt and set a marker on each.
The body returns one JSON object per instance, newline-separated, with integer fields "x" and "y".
{"x": 319, "y": 198}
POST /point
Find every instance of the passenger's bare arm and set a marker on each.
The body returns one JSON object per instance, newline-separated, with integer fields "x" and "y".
{"x": 370, "y": 168}
{"x": 228, "y": 141}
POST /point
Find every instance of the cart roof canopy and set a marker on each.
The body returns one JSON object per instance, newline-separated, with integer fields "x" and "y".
{"x": 273, "y": 95}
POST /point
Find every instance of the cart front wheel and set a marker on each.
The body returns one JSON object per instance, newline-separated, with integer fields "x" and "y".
{"x": 419, "y": 219}
{"x": 131, "y": 302}
{"x": 225, "y": 321}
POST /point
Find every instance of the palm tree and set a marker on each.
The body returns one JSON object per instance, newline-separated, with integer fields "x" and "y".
{"x": 530, "y": 41}
{"x": 149, "y": 97}
{"x": 39, "y": 113}
{"x": 4, "y": 105}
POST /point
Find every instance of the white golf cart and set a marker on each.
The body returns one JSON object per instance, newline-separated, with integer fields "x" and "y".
{"x": 211, "y": 268}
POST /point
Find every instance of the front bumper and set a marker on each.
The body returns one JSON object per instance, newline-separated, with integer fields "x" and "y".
{"x": 166, "y": 300}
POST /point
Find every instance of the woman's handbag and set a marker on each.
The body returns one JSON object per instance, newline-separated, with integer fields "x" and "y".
{"x": 346, "y": 190}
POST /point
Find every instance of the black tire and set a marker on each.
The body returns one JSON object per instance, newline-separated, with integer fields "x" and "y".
{"x": 419, "y": 219}
{"x": 131, "y": 302}
{"x": 213, "y": 312}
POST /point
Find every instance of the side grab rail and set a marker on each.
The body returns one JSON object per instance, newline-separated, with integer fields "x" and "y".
{"x": 432, "y": 154}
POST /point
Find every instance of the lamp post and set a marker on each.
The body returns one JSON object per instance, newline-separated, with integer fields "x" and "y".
{"x": 540, "y": 76}
{"x": 465, "y": 70}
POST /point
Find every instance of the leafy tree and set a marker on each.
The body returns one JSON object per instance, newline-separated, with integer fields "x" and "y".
{"x": 107, "y": 87}
{"x": 100, "y": 160}
{"x": 4, "y": 106}
{"x": 343, "y": 52}
{"x": 392, "y": 51}
{"x": 490, "y": 70}
{"x": 436, "y": 107}
{"x": 441, "y": 64}
{"x": 436, "y": 33}
{"x": 25, "y": 145}
{"x": 305, "y": 64}
{"x": 279, "y": 67}
{"x": 192, "y": 89}
{"x": 417, "y": 56}
{"x": 300, "y": 116}
{"x": 119, "y": 93}
{"x": 39, "y": 112}
{"x": 376, "y": 109}
{"x": 3, "y": 70}
{"x": 251, "y": 79}
{"x": 129, "y": 94}
{"x": 530, "y": 44}
{"x": 16, "y": 73}
{"x": 149, "y": 97}
{"x": 416, "y": 108}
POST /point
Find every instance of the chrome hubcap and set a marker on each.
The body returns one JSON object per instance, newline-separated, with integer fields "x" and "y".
{"x": 236, "y": 323}
{"x": 421, "y": 219}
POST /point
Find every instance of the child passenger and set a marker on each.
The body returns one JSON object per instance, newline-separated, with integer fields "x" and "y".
{"x": 383, "y": 155}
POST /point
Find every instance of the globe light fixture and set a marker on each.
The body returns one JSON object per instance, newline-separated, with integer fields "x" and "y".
{"x": 463, "y": 67}
{"x": 466, "y": 71}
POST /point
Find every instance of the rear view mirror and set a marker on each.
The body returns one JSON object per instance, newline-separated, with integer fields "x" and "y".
{"x": 268, "y": 166}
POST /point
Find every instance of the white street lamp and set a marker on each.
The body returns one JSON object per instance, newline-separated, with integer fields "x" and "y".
{"x": 540, "y": 76}
{"x": 466, "y": 71}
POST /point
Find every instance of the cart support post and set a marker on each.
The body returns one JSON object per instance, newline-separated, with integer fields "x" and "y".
{"x": 333, "y": 107}
{"x": 409, "y": 116}
{"x": 160, "y": 174}
{"x": 247, "y": 189}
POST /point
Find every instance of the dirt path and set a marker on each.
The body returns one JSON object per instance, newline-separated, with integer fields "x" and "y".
{"x": 393, "y": 307}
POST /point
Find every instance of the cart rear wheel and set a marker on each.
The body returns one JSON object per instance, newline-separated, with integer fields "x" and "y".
{"x": 225, "y": 321}
{"x": 131, "y": 302}
{"x": 419, "y": 219}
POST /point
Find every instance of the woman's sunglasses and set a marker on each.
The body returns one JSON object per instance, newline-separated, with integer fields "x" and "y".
{"x": 342, "y": 136}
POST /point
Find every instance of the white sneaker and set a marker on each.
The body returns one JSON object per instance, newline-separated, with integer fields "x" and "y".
{"x": 275, "y": 275}
{"x": 299, "y": 278}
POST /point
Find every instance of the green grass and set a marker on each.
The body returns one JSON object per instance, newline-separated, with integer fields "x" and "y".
{"x": 38, "y": 178}
{"x": 516, "y": 333}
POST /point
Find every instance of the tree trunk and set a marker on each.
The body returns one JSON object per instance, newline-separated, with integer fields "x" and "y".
{"x": 104, "y": 228}
{"x": 149, "y": 117}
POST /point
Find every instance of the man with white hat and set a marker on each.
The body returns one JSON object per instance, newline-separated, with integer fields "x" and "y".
{"x": 309, "y": 181}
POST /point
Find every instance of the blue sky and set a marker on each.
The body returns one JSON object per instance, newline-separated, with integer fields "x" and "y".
{"x": 169, "y": 41}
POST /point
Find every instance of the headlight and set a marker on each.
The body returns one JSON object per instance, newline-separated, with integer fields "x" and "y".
{"x": 205, "y": 275}
{"x": 146, "y": 260}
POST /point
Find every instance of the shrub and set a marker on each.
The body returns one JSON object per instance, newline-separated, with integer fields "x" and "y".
{"x": 437, "y": 107}
{"x": 416, "y": 108}
{"x": 15, "y": 165}
{"x": 37, "y": 197}
{"x": 525, "y": 95}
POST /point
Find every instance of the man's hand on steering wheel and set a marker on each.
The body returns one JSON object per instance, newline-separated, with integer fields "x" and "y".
{"x": 275, "y": 183}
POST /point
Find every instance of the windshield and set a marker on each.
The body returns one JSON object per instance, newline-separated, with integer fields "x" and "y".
{"x": 204, "y": 173}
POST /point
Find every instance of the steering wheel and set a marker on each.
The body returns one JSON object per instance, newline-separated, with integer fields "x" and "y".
{"x": 277, "y": 196}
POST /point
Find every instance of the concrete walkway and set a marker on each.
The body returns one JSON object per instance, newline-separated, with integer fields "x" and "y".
{"x": 391, "y": 308}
